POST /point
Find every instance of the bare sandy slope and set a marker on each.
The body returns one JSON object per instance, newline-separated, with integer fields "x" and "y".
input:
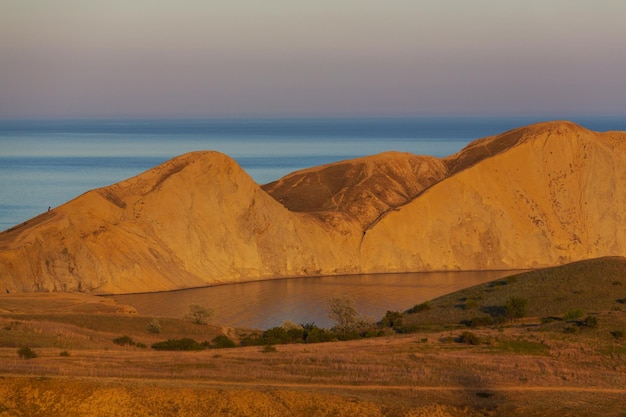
{"x": 536, "y": 196}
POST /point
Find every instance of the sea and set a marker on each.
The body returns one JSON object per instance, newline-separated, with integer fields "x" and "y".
{"x": 45, "y": 163}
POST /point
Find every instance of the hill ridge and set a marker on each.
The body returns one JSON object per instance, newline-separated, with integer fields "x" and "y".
{"x": 536, "y": 196}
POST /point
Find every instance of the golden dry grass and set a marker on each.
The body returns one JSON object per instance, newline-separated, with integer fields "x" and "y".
{"x": 522, "y": 369}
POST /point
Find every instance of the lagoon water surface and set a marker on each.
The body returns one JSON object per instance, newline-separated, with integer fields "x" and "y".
{"x": 265, "y": 304}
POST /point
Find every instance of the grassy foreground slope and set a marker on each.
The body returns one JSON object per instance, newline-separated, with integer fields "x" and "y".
{"x": 552, "y": 362}
{"x": 591, "y": 286}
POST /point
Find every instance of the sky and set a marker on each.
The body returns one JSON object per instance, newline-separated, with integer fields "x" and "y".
{"x": 291, "y": 58}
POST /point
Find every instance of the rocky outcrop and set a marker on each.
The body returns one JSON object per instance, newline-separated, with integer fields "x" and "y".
{"x": 537, "y": 196}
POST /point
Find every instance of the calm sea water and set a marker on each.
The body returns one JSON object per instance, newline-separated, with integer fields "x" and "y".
{"x": 265, "y": 304}
{"x": 46, "y": 163}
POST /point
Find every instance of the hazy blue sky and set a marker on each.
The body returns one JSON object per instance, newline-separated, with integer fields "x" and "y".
{"x": 213, "y": 58}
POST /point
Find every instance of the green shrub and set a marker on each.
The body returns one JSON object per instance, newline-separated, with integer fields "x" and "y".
{"x": 154, "y": 327}
{"x": 26, "y": 353}
{"x": 469, "y": 338}
{"x": 199, "y": 314}
{"x": 515, "y": 308}
{"x": 392, "y": 319}
{"x": 64, "y": 353}
{"x": 314, "y": 334}
{"x": 573, "y": 314}
{"x": 222, "y": 342}
{"x": 124, "y": 341}
{"x": 184, "y": 344}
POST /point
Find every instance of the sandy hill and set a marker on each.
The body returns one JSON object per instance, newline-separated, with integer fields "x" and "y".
{"x": 537, "y": 196}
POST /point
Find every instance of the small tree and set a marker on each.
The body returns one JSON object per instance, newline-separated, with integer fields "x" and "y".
{"x": 392, "y": 319}
{"x": 154, "y": 327}
{"x": 199, "y": 314}
{"x": 343, "y": 313}
{"x": 515, "y": 308}
{"x": 26, "y": 353}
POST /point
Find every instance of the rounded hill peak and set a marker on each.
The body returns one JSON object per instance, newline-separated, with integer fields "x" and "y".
{"x": 481, "y": 149}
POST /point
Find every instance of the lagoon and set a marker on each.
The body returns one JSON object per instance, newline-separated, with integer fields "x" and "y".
{"x": 265, "y": 304}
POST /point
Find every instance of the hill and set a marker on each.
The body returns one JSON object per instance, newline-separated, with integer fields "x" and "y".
{"x": 590, "y": 286}
{"x": 537, "y": 196}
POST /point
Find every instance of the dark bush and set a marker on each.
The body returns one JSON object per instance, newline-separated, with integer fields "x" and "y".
{"x": 154, "y": 327}
{"x": 275, "y": 336}
{"x": 515, "y": 308}
{"x": 185, "y": 344}
{"x": 26, "y": 353}
{"x": 124, "y": 341}
{"x": 222, "y": 342}
{"x": 392, "y": 319}
{"x": 618, "y": 334}
{"x": 469, "y": 338}
{"x": 573, "y": 314}
{"x": 314, "y": 334}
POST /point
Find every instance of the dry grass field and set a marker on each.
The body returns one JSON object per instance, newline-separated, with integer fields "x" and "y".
{"x": 540, "y": 365}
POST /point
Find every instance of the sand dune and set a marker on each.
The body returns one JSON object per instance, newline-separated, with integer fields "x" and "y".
{"x": 541, "y": 195}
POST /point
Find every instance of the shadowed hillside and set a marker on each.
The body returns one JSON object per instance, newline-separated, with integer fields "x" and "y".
{"x": 537, "y": 196}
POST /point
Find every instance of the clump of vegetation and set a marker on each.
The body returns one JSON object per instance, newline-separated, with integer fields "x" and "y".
{"x": 515, "y": 308}
{"x": 343, "y": 312}
{"x": 124, "y": 341}
{"x": 315, "y": 334}
{"x": 26, "y": 353}
{"x": 65, "y": 354}
{"x": 469, "y": 338}
{"x": 222, "y": 342}
{"x": 199, "y": 314}
{"x": 419, "y": 307}
{"x": 392, "y": 319}
{"x": 618, "y": 334}
{"x": 154, "y": 327}
{"x": 573, "y": 314}
{"x": 184, "y": 344}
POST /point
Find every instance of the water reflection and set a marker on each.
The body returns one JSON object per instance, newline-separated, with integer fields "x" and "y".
{"x": 265, "y": 304}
